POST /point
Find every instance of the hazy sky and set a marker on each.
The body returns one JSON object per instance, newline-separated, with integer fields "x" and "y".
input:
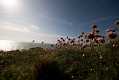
{"x": 25, "y": 20}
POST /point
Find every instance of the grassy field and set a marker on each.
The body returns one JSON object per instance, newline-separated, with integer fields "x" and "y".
{"x": 93, "y": 63}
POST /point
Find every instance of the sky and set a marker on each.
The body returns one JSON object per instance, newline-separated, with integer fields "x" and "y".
{"x": 46, "y": 20}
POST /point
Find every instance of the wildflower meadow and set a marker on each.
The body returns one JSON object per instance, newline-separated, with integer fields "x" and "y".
{"x": 89, "y": 56}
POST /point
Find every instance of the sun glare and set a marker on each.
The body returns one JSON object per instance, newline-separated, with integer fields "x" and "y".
{"x": 9, "y": 3}
{"x": 5, "y": 45}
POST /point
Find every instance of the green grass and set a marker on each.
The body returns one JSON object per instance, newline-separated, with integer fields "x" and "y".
{"x": 19, "y": 65}
{"x": 94, "y": 63}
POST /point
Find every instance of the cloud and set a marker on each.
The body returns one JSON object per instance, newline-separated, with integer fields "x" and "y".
{"x": 18, "y": 27}
{"x": 21, "y": 32}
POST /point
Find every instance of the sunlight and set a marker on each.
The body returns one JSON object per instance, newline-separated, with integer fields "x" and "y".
{"x": 9, "y": 3}
{"x": 5, "y": 45}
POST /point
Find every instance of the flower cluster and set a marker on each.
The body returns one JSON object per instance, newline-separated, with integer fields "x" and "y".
{"x": 88, "y": 38}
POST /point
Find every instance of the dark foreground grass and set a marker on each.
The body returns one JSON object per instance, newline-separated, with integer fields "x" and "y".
{"x": 94, "y": 63}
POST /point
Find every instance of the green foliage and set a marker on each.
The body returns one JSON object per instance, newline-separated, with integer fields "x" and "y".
{"x": 94, "y": 63}
{"x": 19, "y": 65}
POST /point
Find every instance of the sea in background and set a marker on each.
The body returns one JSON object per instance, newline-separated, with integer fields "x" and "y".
{"x": 7, "y": 45}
